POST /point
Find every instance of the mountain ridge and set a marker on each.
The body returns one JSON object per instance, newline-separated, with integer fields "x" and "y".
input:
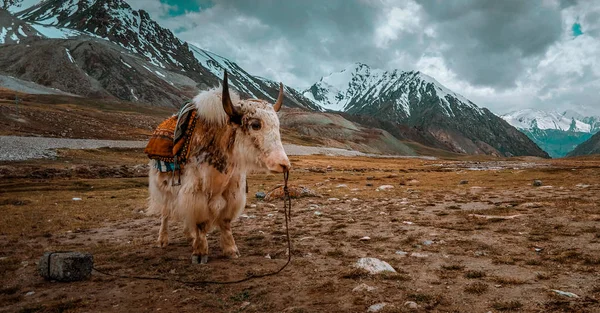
{"x": 555, "y": 132}
{"x": 414, "y": 99}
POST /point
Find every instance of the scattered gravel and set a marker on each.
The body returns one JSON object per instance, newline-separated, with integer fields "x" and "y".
{"x": 15, "y": 148}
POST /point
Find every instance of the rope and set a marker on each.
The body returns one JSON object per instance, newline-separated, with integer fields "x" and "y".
{"x": 287, "y": 209}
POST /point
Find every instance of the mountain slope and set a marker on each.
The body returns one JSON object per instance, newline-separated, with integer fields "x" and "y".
{"x": 556, "y": 133}
{"x": 13, "y": 30}
{"x": 566, "y": 121}
{"x": 591, "y": 146}
{"x": 417, "y": 100}
{"x": 181, "y": 66}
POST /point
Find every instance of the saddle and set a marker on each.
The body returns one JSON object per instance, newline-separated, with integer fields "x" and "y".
{"x": 170, "y": 141}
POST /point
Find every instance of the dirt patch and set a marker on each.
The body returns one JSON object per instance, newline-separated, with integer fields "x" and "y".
{"x": 447, "y": 260}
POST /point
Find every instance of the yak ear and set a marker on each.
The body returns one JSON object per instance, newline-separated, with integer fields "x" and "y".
{"x": 228, "y": 107}
{"x": 279, "y": 102}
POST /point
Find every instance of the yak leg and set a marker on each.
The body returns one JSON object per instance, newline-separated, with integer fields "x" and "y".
{"x": 228, "y": 246}
{"x": 235, "y": 202}
{"x": 163, "y": 233}
{"x": 200, "y": 244}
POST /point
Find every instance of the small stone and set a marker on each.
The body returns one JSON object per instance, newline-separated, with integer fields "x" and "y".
{"x": 329, "y": 168}
{"x": 341, "y": 186}
{"x": 418, "y": 255}
{"x": 412, "y": 182}
{"x": 385, "y": 187}
{"x": 401, "y": 253}
{"x": 260, "y": 195}
{"x": 253, "y": 206}
{"x": 377, "y": 307}
{"x": 66, "y": 266}
{"x": 318, "y": 213}
{"x": 427, "y": 242}
{"x": 464, "y": 182}
{"x": 76, "y": 199}
{"x": 31, "y": 293}
{"x": 270, "y": 205}
{"x": 365, "y": 238}
{"x": 268, "y": 256}
{"x": 565, "y": 293}
{"x": 537, "y": 183}
{"x": 411, "y": 305}
{"x": 374, "y": 266}
{"x": 363, "y": 287}
{"x": 354, "y": 199}
{"x": 333, "y": 199}
{"x": 244, "y": 304}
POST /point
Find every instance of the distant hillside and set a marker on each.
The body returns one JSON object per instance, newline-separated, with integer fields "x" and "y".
{"x": 556, "y": 133}
{"x": 415, "y": 100}
{"x": 591, "y": 146}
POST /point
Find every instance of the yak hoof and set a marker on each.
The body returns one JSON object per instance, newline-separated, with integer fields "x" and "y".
{"x": 232, "y": 253}
{"x": 163, "y": 242}
{"x": 199, "y": 259}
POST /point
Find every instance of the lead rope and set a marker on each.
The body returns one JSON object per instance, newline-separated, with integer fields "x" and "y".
{"x": 287, "y": 210}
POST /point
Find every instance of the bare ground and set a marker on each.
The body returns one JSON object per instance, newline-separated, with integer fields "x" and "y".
{"x": 457, "y": 259}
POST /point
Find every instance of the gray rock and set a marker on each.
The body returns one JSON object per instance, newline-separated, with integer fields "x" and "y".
{"x": 537, "y": 183}
{"x": 427, "y": 242}
{"x": 565, "y": 293}
{"x": 374, "y": 266}
{"x": 260, "y": 195}
{"x": 66, "y": 266}
{"x": 363, "y": 287}
{"x": 376, "y": 307}
{"x": 411, "y": 305}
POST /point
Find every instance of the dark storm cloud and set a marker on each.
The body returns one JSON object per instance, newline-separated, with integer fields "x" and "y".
{"x": 488, "y": 41}
{"x": 519, "y": 52}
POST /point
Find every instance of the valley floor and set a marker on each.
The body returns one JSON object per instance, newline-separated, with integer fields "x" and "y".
{"x": 491, "y": 243}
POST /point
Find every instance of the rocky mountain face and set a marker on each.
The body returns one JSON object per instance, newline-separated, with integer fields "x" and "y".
{"x": 14, "y": 31}
{"x": 413, "y": 99}
{"x": 557, "y": 133}
{"x": 130, "y": 55}
{"x": 590, "y": 146}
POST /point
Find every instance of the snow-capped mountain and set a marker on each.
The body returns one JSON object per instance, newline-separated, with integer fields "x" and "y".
{"x": 557, "y": 133}
{"x": 255, "y": 86}
{"x": 565, "y": 121}
{"x": 13, "y": 30}
{"x": 417, "y": 100}
{"x": 360, "y": 87}
{"x": 154, "y": 54}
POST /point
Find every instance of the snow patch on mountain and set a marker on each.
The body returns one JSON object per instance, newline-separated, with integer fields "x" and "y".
{"x": 360, "y": 86}
{"x": 530, "y": 119}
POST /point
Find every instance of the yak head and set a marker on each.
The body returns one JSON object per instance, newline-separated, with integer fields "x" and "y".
{"x": 258, "y": 140}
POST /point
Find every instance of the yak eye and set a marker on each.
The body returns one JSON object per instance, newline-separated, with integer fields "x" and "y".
{"x": 255, "y": 125}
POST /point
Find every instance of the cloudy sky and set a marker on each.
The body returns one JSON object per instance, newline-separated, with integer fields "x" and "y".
{"x": 504, "y": 55}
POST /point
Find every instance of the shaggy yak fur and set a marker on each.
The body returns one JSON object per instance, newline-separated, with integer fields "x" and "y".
{"x": 232, "y": 137}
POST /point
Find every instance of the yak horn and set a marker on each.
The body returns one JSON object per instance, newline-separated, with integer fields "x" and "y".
{"x": 279, "y": 102}
{"x": 227, "y": 104}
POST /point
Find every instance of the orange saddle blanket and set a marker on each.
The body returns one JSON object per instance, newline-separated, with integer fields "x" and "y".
{"x": 170, "y": 141}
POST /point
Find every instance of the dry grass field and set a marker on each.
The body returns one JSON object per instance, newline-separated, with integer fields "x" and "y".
{"x": 493, "y": 243}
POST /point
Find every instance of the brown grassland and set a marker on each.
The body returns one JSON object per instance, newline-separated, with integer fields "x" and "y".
{"x": 467, "y": 256}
